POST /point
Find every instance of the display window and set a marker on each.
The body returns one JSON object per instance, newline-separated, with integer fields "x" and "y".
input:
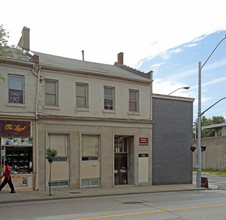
{"x": 18, "y": 153}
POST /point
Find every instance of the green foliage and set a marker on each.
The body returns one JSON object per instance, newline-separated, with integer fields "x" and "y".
{"x": 1, "y": 77}
{"x": 50, "y": 154}
{"x": 208, "y": 121}
{"x": 6, "y": 50}
{"x": 214, "y": 172}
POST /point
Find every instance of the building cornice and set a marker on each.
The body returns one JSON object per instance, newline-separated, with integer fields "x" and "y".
{"x": 89, "y": 73}
{"x": 10, "y": 116}
{"x": 96, "y": 119}
{"x": 179, "y": 98}
{"x": 16, "y": 62}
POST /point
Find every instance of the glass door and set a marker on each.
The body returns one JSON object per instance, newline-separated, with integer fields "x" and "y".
{"x": 120, "y": 160}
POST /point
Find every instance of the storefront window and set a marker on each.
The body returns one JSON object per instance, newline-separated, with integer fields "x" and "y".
{"x": 18, "y": 153}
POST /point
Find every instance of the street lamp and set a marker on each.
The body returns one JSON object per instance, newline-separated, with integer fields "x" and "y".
{"x": 185, "y": 87}
{"x": 212, "y": 105}
{"x": 199, "y": 159}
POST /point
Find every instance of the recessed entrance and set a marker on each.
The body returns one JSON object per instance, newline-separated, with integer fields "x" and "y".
{"x": 123, "y": 160}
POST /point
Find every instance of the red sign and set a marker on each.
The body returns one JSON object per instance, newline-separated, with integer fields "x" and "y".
{"x": 143, "y": 141}
{"x": 14, "y": 129}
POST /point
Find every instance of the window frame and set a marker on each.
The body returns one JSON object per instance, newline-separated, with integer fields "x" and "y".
{"x": 85, "y": 158}
{"x": 56, "y": 94}
{"x": 136, "y": 100}
{"x": 61, "y": 158}
{"x": 113, "y": 98}
{"x": 86, "y": 85}
{"x": 23, "y": 88}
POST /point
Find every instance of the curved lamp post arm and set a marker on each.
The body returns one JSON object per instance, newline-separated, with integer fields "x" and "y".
{"x": 212, "y": 52}
{"x": 185, "y": 87}
{"x": 212, "y": 106}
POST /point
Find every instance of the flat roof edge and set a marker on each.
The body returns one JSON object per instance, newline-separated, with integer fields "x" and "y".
{"x": 179, "y": 98}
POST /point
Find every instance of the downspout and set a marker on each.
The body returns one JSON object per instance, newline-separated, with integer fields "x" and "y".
{"x": 35, "y": 187}
{"x": 37, "y": 90}
{"x": 150, "y": 174}
{"x": 151, "y": 93}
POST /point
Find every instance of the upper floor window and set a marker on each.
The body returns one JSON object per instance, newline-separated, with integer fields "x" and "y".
{"x": 109, "y": 98}
{"x": 16, "y": 89}
{"x": 81, "y": 95}
{"x": 51, "y": 87}
{"x": 133, "y": 100}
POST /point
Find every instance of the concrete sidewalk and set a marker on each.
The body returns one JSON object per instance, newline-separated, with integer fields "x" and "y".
{"x": 68, "y": 193}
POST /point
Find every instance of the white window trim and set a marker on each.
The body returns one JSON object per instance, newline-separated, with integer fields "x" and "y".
{"x": 113, "y": 99}
{"x": 14, "y": 103}
{"x": 137, "y": 101}
{"x": 87, "y": 96}
{"x": 57, "y": 94}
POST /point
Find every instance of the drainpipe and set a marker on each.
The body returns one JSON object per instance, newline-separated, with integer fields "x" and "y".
{"x": 36, "y": 123}
{"x": 150, "y": 74}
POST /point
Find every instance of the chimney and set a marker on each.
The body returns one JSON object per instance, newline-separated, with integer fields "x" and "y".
{"x": 83, "y": 57}
{"x": 24, "y": 41}
{"x": 36, "y": 59}
{"x": 120, "y": 58}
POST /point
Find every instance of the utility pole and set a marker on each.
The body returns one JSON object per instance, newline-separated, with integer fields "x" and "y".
{"x": 199, "y": 155}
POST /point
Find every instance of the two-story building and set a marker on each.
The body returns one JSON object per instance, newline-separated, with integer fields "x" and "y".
{"x": 97, "y": 116}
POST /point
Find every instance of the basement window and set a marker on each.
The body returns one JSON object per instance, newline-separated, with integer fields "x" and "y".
{"x": 90, "y": 182}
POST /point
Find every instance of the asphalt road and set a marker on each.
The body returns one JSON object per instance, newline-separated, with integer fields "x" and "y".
{"x": 219, "y": 181}
{"x": 200, "y": 204}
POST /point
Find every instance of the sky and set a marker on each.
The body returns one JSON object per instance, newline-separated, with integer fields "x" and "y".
{"x": 168, "y": 37}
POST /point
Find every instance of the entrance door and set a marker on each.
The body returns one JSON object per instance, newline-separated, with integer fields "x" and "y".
{"x": 121, "y": 160}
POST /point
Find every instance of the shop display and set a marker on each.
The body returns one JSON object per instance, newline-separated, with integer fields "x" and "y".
{"x": 19, "y": 159}
{"x": 18, "y": 153}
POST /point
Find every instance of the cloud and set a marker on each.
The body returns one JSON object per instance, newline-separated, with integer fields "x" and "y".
{"x": 157, "y": 65}
{"x": 191, "y": 45}
{"x": 210, "y": 82}
{"x": 215, "y": 65}
{"x": 161, "y": 86}
{"x": 194, "y": 71}
{"x": 177, "y": 50}
{"x": 204, "y": 100}
{"x": 102, "y": 32}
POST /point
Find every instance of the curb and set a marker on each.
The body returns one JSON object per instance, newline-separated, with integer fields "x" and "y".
{"x": 98, "y": 195}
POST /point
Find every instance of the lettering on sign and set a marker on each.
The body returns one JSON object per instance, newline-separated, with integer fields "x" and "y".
{"x": 143, "y": 141}
{"x": 14, "y": 129}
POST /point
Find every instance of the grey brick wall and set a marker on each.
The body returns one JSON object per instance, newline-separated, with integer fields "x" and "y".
{"x": 172, "y": 139}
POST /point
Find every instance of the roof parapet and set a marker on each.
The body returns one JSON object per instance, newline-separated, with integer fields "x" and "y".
{"x": 122, "y": 66}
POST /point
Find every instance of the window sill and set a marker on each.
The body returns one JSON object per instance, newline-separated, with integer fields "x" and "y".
{"x": 134, "y": 113}
{"x": 51, "y": 107}
{"x": 81, "y": 109}
{"x": 109, "y": 111}
{"x": 18, "y": 105}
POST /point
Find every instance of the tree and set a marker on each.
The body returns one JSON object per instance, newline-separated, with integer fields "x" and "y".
{"x": 5, "y": 49}
{"x": 50, "y": 155}
{"x": 208, "y": 121}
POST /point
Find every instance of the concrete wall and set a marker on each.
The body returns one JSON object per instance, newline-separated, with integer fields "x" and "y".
{"x": 215, "y": 155}
{"x": 172, "y": 139}
{"x": 30, "y": 82}
{"x": 106, "y": 130}
{"x": 66, "y": 119}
